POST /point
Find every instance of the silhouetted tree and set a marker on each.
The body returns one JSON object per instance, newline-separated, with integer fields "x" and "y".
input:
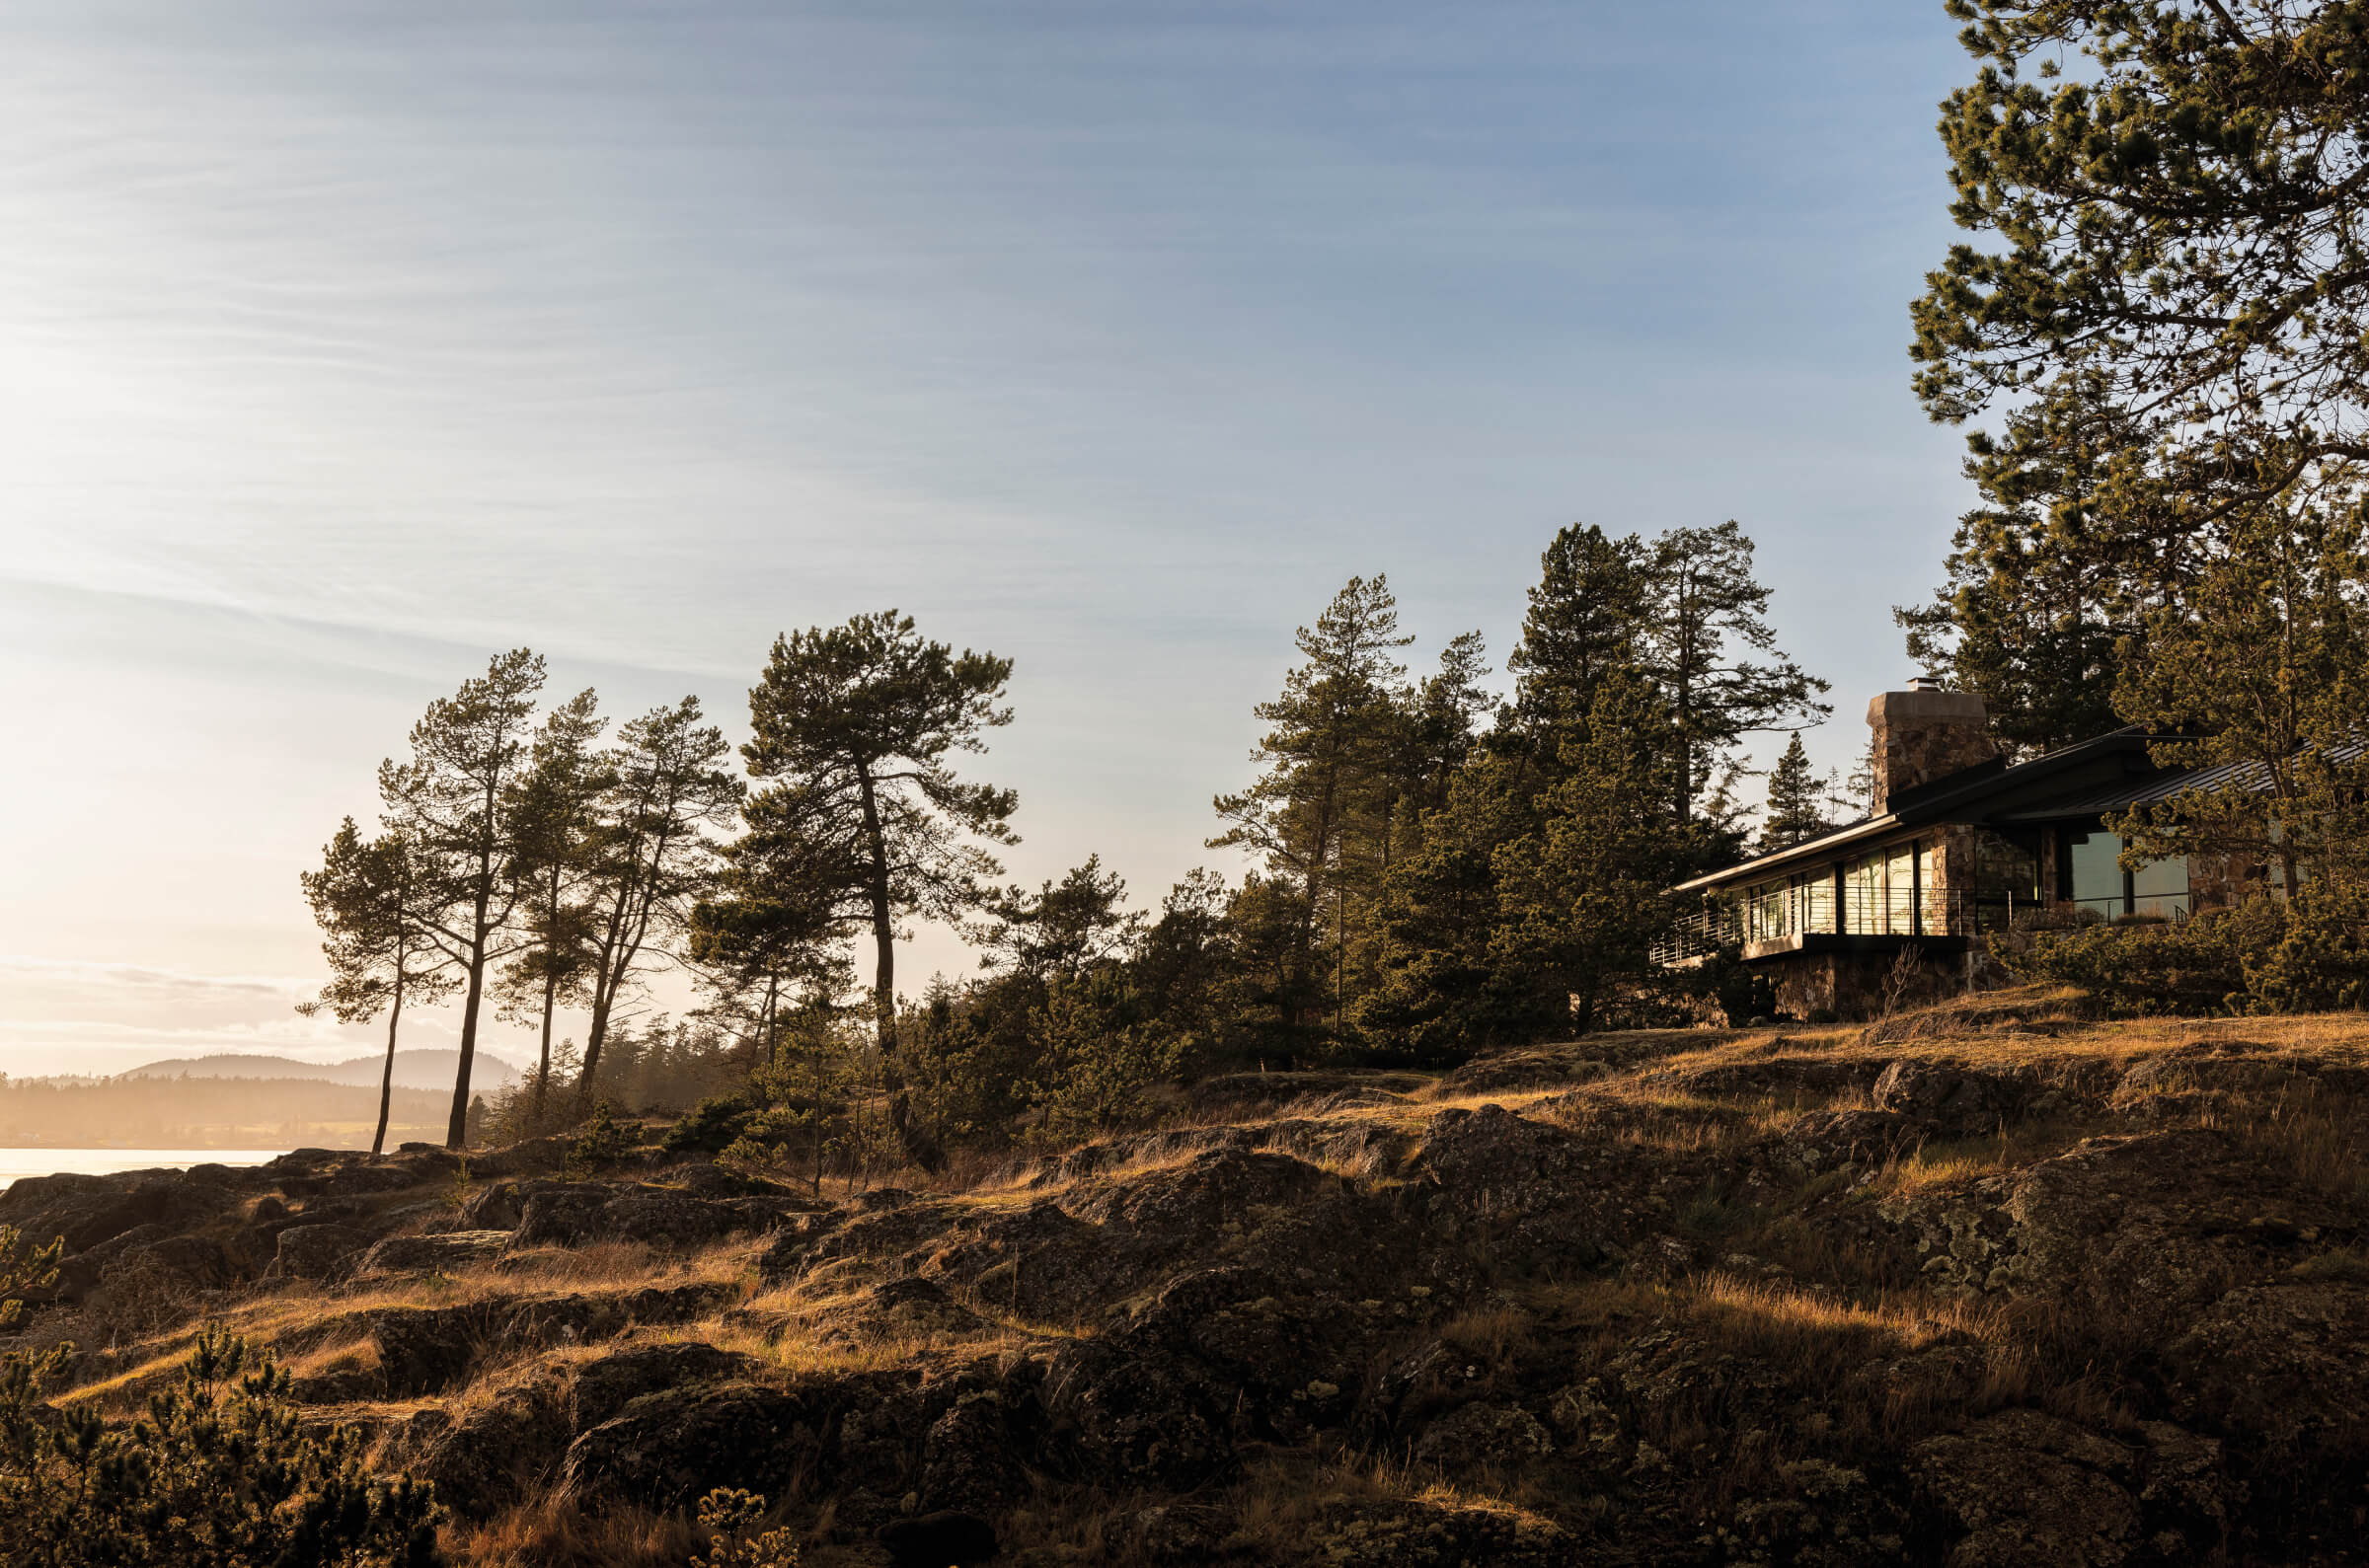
{"x": 855, "y": 725}
{"x": 379, "y": 955}
{"x": 553, "y": 815}
{"x": 649, "y": 852}
{"x": 451, "y": 802}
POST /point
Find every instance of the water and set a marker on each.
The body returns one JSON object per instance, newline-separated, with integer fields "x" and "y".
{"x": 15, "y": 1163}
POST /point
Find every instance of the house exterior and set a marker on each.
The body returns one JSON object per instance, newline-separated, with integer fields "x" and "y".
{"x": 1961, "y": 845}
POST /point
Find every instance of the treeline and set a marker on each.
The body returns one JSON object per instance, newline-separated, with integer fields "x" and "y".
{"x": 206, "y": 1112}
{"x": 1436, "y": 866}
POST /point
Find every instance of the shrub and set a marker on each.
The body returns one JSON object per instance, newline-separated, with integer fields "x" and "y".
{"x": 1100, "y": 1057}
{"x": 2320, "y": 960}
{"x": 2155, "y": 970}
{"x": 218, "y": 1473}
{"x": 729, "y": 1514}
{"x": 601, "y": 1143}
{"x": 710, "y": 1126}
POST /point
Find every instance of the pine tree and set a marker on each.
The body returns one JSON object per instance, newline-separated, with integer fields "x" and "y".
{"x": 649, "y": 852}
{"x": 855, "y": 725}
{"x": 452, "y": 802}
{"x": 379, "y": 955}
{"x": 1586, "y": 617}
{"x": 1584, "y": 894}
{"x": 1318, "y": 814}
{"x": 2260, "y": 670}
{"x": 1705, "y": 616}
{"x": 2168, "y": 302}
{"x": 1797, "y": 810}
{"x": 553, "y": 815}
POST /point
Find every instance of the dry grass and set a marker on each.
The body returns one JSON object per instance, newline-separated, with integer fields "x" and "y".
{"x": 551, "y": 1533}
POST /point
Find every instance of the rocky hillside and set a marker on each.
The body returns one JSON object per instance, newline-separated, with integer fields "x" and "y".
{"x": 1980, "y": 1286}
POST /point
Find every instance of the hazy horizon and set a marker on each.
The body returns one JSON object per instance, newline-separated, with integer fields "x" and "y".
{"x": 346, "y": 345}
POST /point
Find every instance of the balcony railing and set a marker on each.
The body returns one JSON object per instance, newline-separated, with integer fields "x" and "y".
{"x": 1812, "y": 911}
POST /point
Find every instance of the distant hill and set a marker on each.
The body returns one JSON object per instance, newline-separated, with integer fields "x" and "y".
{"x": 413, "y": 1069}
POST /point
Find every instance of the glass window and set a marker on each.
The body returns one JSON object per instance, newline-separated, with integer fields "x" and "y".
{"x": 2097, "y": 873}
{"x": 1899, "y": 896}
{"x": 2160, "y": 887}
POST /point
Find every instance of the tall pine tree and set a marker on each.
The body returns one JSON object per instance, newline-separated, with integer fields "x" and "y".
{"x": 856, "y": 727}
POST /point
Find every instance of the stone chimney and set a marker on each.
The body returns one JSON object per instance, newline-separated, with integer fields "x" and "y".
{"x": 1923, "y": 734}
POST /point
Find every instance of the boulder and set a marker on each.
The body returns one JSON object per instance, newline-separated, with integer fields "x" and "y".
{"x": 1484, "y": 1436}
{"x": 317, "y": 1251}
{"x": 1829, "y": 1141}
{"x": 497, "y": 1453}
{"x": 668, "y": 1447}
{"x": 1536, "y": 1197}
{"x": 1138, "y": 1415}
{"x": 158, "y": 1281}
{"x": 497, "y": 1206}
{"x": 88, "y": 1210}
{"x": 425, "y": 1350}
{"x": 1434, "y": 1535}
{"x": 432, "y": 1254}
{"x": 604, "y": 1387}
{"x": 969, "y": 1458}
{"x": 563, "y": 1214}
{"x": 904, "y": 1308}
{"x": 2021, "y": 1487}
{"x": 1040, "y": 1263}
{"x": 1954, "y": 1102}
{"x": 2283, "y": 1366}
{"x": 2150, "y": 1227}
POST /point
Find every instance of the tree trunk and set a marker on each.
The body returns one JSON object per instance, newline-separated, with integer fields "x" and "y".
{"x": 551, "y": 993}
{"x": 385, "y": 1077}
{"x": 917, "y": 1144}
{"x": 456, "y": 1128}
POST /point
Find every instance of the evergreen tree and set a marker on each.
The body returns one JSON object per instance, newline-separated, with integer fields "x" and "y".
{"x": 2260, "y": 671}
{"x": 2172, "y": 308}
{"x": 1798, "y": 807}
{"x": 1586, "y": 617}
{"x": 379, "y": 957}
{"x": 649, "y": 852}
{"x": 1585, "y": 893}
{"x": 1065, "y": 927}
{"x": 1705, "y": 616}
{"x": 855, "y": 725}
{"x": 2046, "y": 587}
{"x": 1444, "y": 989}
{"x": 453, "y": 804}
{"x": 1318, "y": 814}
{"x": 554, "y": 814}
{"x": 2179, "y": 239}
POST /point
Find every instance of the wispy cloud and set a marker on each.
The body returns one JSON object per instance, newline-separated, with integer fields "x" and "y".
{"x": 83, "y": 971}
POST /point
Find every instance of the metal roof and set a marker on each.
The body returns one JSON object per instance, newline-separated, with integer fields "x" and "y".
{"x": 1960, "y": 798}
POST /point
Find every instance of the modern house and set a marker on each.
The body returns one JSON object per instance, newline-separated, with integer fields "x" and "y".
{"x": 1960, "y": 845}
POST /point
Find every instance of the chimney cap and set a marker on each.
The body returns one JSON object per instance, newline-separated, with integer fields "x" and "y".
{"x": 1924, "y": 683}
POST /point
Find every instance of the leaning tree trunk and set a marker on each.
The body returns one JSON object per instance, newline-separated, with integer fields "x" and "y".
{"x": 386, "y": 1077}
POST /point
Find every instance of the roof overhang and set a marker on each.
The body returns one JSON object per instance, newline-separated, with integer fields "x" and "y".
{"x": 1817, "y": 849}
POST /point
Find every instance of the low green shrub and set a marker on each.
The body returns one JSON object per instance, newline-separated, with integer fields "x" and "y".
{"x": 220, "y": 1472}
{"x": 709, "y": 1127}
{"x": 600, "y": 1142}
{"x": 2268, "y": 955}
{"x": 2153, "y": 970}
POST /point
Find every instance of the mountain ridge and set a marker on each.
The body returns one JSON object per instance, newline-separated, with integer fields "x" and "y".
{"x": 424, "y": 1068}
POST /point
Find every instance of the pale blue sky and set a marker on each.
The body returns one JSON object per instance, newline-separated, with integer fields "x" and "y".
{"x": 341, "y": 345}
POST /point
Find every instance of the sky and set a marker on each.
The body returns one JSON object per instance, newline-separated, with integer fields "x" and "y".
{"x": 344, "y": 344}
